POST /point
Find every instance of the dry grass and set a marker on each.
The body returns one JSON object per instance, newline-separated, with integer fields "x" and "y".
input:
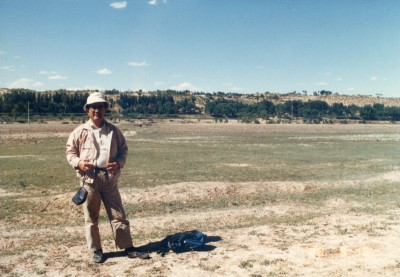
{"x": 287, "y": 200}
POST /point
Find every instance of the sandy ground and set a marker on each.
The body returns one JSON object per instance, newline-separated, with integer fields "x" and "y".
{"x": 341, "y": 241}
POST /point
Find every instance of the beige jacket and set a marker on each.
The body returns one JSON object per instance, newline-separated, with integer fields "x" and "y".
{"x": 81, "y": 146}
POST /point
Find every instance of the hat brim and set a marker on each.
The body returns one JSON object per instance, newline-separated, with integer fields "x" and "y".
{"x": 87, "y": 106}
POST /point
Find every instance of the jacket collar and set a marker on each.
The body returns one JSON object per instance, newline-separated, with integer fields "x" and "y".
{"x": 88, "y": 125}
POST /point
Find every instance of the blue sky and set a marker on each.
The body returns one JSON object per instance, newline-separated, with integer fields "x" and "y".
{"x": 243, "y": 46}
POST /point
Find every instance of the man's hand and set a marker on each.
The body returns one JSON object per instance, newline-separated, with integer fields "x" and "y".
{"x": 84, "y": 165}
{"x": 113, "y": 167}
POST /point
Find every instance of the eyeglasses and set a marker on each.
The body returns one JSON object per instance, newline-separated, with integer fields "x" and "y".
{"x": 97, "y": 107}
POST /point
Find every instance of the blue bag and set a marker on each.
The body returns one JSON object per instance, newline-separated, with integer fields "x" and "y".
{"x": 185, "y": 241}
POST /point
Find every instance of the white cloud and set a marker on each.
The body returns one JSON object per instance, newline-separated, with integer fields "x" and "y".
{"x": 44, "y": 72}
{"x": 2, "y": 52}
{"x": 186, "y": 86}
{"x": 24, "y": 83}
{"x": 339, "y": 79}
{"x": 119, "y": 5}
{"x": 350, "y": 89}
{"x": 155, "y": 2}
{"x": 321, "y": 83}
{"x": 374, "y": 78}
{"x": 8, "y": 68}
{"x": 159, "y": 83}
{"x": 138, "y": 64}
{"x": 328, "y": 74}
{"x": 235, "y": 89}
{"x": 103, "y": 71}
{"x": 37, "y": 84}
{"x": 57, "y": 77}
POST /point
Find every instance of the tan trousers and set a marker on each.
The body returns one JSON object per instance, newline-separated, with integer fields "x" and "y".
{"x": 103, "y": 190}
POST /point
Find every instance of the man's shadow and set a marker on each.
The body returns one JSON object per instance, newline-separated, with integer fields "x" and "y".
{"x": 110, "y": 255}
{"x": 161, "y": 247}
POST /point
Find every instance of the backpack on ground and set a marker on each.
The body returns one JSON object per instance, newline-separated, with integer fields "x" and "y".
{"x": 183, "y": 241}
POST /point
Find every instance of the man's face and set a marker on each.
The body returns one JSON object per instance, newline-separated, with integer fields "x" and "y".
{"x": 96, "y": 112}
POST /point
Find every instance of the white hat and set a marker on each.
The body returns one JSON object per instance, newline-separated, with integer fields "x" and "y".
{"x": 95, "y": 97}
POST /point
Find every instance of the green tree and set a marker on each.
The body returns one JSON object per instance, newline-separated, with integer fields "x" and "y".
{"x": 338, "y": 110}
{"x": 368, "y": 113}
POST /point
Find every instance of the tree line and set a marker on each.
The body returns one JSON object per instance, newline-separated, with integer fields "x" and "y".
{"x": 161, "y": 103}
{"x": 311, "y": 111}
{"x": 169, "y": 103}
{"x": 16, "y": 101}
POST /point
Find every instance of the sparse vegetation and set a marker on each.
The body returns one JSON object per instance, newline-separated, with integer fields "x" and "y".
{"x": 268, "y": 190}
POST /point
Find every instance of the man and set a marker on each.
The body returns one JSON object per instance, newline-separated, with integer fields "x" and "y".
{"x": 97, "y": 150}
